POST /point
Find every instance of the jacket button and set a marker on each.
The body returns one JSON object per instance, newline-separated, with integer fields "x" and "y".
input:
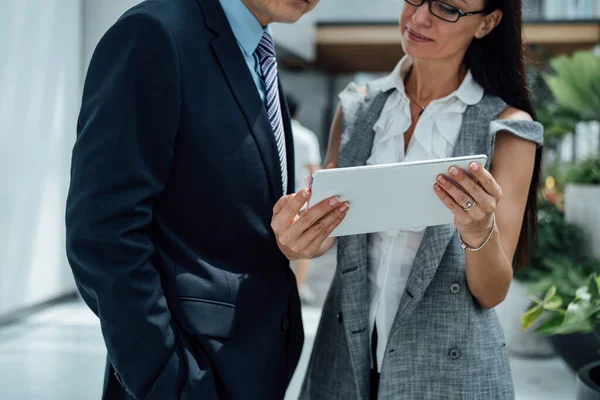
{"x": 454, "y": 354}
{"x": 339, "y": 317}
{"x": 286, "y": 324}
{"x": 454, "y": 288}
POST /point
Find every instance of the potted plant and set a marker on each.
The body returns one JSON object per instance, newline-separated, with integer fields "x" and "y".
{"x": 566, "y": 95}
{"x": 558, "y": 259}
{"x": 561, "y": 316}
{"x": 582, "y": 197}
{"x": 556, "y": 238}
{"x": 578, "y": 348}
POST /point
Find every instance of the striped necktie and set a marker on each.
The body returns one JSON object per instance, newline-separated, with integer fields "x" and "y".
{"x": 268, "y": 69}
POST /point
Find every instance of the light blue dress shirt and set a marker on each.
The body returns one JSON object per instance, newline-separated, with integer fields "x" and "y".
{"x": 248, "y": 33}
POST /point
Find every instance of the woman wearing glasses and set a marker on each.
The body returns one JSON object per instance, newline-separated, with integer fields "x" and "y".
{"x": 410, "y": 313}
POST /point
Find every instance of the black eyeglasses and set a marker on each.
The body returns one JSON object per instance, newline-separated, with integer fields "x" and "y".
{"x": 444, "y": 11}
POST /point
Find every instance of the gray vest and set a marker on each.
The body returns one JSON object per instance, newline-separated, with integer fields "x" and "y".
{"x": 442, "y": 344}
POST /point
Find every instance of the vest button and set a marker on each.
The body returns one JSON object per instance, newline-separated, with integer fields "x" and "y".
{"x": 454, "y": 288}
{"x": 286, "y": 324}
{"x": 454, "y": 354}
{"x": 339, "y": 317}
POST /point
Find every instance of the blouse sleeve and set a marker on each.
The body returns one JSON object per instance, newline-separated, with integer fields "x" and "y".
{"x": 529, "y": 130}
{"x": 350, "y": 99}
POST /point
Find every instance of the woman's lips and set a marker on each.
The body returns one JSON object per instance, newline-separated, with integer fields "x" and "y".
{"x": 417, "y": 38}
{"x": 303, "y": 2}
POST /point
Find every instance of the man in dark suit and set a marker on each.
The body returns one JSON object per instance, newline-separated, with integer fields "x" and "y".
{"x": 184, "y": 146}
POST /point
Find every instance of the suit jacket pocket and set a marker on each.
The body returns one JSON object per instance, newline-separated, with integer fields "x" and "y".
{"x": 203, "y": 317}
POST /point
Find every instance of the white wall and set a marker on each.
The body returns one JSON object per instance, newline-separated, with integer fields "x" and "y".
{"x": 359, "y": 10}
{"x": 98, "y": 16}
{"x": 299, "y": 38}
{"x": 40, "y": 86}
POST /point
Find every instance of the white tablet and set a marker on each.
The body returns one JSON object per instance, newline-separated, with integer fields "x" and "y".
{"x": 389, "y": 196}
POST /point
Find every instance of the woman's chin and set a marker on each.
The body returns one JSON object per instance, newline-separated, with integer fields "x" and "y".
{"x": 418, "y": 52}
{"x": 414, "y": 52}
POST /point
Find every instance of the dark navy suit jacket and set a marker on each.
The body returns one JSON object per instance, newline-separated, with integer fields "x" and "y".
{"x": 174, "y": 176}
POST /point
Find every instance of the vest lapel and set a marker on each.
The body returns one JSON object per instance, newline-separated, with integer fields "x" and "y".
{"x": 472, "y": 139}
{"x": 352, "y": 250}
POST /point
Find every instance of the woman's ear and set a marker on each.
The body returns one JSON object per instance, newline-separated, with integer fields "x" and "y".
{"x": 490, "y": 22}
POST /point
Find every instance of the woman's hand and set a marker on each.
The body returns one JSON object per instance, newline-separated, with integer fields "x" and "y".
{"x": 473, "y": 206}
{"x": 304, "y": 236}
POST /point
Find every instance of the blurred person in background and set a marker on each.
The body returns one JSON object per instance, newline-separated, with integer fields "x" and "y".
{"x": 410, "y": 313}
{"x": 307, "y": 158}
{"x": 184, "y": 145}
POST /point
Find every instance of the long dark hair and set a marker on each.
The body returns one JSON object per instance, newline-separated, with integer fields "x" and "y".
{"x": 497, "y": 64}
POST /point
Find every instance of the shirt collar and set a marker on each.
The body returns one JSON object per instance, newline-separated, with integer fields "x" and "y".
{"x": 469, "y": 91}
{"x": 246, "y": 28}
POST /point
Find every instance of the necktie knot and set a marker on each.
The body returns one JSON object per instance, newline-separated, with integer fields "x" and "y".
{"x": 266, "y": 46}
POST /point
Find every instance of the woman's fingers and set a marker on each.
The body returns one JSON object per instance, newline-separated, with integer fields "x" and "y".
{"x": 468, "y": 186}
{"x": 486, "y": 180}
{"x": 459, "y": 213}
{"x": 461, "y": 197}
{"x": 471, "y": 203}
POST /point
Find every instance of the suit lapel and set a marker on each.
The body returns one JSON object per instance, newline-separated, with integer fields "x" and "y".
{"x": 242, "y": 85}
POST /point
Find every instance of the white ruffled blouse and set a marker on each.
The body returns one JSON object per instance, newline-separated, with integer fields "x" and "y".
{"x": 391, "y": 253}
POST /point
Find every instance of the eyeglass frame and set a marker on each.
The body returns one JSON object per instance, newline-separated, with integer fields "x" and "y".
{"x": 461, "y": 13}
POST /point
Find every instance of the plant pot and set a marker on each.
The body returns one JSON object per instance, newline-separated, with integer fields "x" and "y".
{"x": 577, "y": 349}
{"x": 581, "y": 208}
{"x": 527, "y": 344}
{"x": 587, "y": 386}
{"x": 510, "y": 310}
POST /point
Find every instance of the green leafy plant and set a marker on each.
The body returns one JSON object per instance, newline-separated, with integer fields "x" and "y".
{"x": 575, "y": 84}
{"x": 566, "y": 94}
{"x": 559, "y": 316}
{"x": 557, "y": 123}
{"x": 585, "y": 173}
{"x": 558, "y": 258}
{"x": 564, "y": 274}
